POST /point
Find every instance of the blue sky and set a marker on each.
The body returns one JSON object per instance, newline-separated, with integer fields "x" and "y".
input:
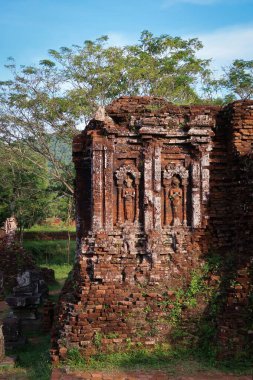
{"x": 30, "y": 27}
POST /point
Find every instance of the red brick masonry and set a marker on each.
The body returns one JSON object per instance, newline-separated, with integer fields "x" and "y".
{"x": 157, "y": 187}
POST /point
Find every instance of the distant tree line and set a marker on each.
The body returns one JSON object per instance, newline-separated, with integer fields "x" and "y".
{"x": 42, "y": 106}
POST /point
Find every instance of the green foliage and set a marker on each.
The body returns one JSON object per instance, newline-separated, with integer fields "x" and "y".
{"x": 139, "y": 358}
{"x": 238, "y": 78}
{"x": 112, "y": 335}
{"x": 35, "y": 111}
{"x": 61, "y": 270}
{"x": 165, "y": 66}
{"x": 184, "y": 298}
{"x": 36, "y": 359}
{"x": 23, "y": 187}
{"x": 97, "y": 339}
{"x": 44, "y": 227}
{"x": 42, "y": 105}
{"x": 162, "y": 357}
{"x": 50, "y": 252}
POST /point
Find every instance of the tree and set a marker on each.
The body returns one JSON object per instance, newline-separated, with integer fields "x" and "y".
{"x": 166, "y": 66}
{"x": 238, "y": 79}
{"x": 23, "y": 188}
{"x": 35, "y": 111}
{"x": 162, "y": 66}
{"x": 43, "y": 105}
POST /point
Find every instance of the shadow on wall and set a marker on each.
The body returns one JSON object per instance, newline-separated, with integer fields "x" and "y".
{"x": 225, "y": 325}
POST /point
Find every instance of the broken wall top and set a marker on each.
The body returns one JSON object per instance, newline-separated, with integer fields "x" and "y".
{"x": 131, "y": 116}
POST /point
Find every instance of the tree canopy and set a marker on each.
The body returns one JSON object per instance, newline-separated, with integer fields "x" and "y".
{"x": 44, "y": 106}
{"x": 238, "y": 79}
{"x": 23, "y": 187}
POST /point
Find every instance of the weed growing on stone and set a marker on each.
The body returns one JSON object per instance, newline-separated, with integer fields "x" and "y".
{"x": 97, "y": 339}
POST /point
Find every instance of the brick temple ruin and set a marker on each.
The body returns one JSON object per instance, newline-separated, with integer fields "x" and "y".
{"x": 158, "y": 186}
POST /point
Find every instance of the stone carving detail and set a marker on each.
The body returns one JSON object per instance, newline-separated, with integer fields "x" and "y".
{"x": 129, "y": 199}
{"x": 127, "y": 180}
{"x": 175, "y": 181}
{"x": 175, "y": 196}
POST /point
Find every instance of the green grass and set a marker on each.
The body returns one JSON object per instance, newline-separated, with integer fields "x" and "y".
{"x": 132, "y": 359}
{"x": 50, "y": 228}
{"x": 61, "y": 273}
{"x": 34, "y": 357}
{"x": 51, "y": 252}
{"x": 171, "y": 360}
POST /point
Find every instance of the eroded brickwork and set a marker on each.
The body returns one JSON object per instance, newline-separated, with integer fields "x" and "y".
{"x": 235, "y": 322}
{"x": 156, "y": 188}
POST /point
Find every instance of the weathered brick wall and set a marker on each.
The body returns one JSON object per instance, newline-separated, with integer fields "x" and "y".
{"x": 157, "y": 188}
{"x": 235, "y": 321}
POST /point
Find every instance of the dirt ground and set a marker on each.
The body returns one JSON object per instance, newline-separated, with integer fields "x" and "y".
{"x": 58, "y": 374}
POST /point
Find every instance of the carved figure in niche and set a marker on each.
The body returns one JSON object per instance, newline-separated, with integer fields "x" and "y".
{"x": 127, "y": 182}
{"x": 129, "y": 199}
{"x": 175, "y": 196}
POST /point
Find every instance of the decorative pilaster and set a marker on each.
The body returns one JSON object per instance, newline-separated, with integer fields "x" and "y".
{"x": 157, "y": 187}
{"x": 148, "y": 188}
{"x": 196, "y": 201}
{"x": 137, "y": 210}
{"x": 108, "y": 188}
{"x": 166, "y": 204}
{"x": 97, "y": 184}
{"x": 205, "y": 174}
{"x": 119, "y": 203}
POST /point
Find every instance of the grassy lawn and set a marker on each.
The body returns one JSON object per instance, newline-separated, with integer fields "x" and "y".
{"x": 51, "y": 228}
{"x": 51, "y": 252}
{"x": 174, "y": 361}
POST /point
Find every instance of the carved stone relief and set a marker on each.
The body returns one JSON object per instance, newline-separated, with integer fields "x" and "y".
{"x": 175, "y": 196}
{"x": 175, "y": 181}
{"x": 127, "y": 182}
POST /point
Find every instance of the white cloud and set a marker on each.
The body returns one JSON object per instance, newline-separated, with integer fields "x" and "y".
{"x": 225, "y": 45}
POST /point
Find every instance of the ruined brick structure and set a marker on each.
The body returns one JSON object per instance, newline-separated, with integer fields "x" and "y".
{"x": 157, "y": 187}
